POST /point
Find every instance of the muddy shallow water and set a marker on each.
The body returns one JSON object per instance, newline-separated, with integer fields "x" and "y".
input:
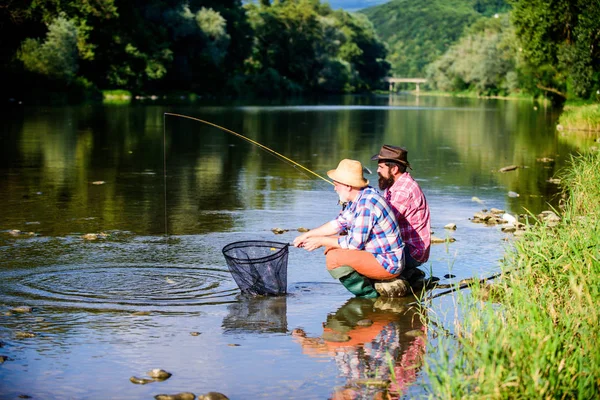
{"x": 129, "y": 300}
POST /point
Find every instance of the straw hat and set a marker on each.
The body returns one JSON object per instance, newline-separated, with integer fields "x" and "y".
{"x": 349, "y": 172}
{"x": 392, "y": 153}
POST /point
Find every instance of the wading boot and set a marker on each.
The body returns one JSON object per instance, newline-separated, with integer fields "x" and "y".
{"x": 357, "y": 284}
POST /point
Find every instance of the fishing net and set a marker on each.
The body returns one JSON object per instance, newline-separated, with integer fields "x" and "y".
{"x": 258, "y": 267}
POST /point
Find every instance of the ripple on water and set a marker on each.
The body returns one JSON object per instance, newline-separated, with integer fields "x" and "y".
{"x": 118, "y": 286}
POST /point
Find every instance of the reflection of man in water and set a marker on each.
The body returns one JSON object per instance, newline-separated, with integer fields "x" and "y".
{"x": 362, "y": 336}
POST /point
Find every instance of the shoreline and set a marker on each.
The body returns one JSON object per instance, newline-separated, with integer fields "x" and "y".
{"x": 542, "y": 313}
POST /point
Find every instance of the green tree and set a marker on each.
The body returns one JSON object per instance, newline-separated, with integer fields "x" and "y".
{"x": 57, "y": 56}
{"x": 485, "y": 60}
{"x": 560, "y": 41}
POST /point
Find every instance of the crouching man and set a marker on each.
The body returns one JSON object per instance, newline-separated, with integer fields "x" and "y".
{"x": 372, "y": 250}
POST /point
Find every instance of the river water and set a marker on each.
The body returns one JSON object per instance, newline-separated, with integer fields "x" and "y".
{"x": 127, "y": 302}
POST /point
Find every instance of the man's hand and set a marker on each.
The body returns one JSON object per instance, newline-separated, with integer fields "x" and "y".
{"x": 299, "y": 241}
{"x": 312, "y": 243}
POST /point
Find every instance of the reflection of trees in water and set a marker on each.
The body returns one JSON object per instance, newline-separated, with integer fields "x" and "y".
{"x": 366, "y": 337}
{"x": 60, "y": 151}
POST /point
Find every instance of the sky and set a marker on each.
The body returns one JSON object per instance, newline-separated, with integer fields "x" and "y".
{"x": 353, "y": 5}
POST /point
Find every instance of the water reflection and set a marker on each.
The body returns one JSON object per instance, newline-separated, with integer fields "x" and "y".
{"x": 367, "y": 337}
{"x": 257, "y": 314}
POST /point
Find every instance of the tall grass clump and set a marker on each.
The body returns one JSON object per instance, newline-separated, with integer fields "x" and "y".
{"x": 537, "y": 338}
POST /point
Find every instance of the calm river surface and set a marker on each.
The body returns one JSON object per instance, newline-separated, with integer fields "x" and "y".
{"x": 118, "y": 306}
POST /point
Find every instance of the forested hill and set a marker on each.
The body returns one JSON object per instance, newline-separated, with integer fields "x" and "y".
{"x": 419, "y": 31}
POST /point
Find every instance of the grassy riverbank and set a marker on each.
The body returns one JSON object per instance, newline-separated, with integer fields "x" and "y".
{"x": 580, "y": 117}
{"x": 539, "y": 338}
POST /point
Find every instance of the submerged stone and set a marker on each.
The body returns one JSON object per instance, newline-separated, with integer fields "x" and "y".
{"x": 450, "y": 226}
{"x": 178, "y": 396}
{"x": 278, "y": 231}
{"x": 508, "y": 168}
{"x": 22, "y": 309}
{"x": 2, "y": 359}
{"x": 140, "y": 381}
{"x": 195, "y": 333}
{"x": 435, "y": 240}
{"x": 213, "y": 396}
{"x": 301, "y": 229}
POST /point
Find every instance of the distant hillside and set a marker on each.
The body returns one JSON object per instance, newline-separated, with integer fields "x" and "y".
{"x": 419, "y": 31}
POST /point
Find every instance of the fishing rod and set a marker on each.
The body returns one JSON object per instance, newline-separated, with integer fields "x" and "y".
{"x": 263, "y": 147}
{"x": 254, "y": 142}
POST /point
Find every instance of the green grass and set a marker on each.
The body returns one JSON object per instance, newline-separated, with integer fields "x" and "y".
{"x": 580, "y": 117}
{"x": 541, "y": 339}
{"x": 116, "y": 96}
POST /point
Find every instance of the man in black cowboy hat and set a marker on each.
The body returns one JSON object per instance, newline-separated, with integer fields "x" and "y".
{"x": 408, "y": 202}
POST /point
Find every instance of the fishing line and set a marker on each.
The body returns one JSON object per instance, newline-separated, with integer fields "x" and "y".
{"x": 273, "y": 152}
{"x": 261, "y": 146}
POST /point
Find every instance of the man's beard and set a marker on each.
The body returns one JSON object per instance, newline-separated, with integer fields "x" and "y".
{"x": 385, "y": 183}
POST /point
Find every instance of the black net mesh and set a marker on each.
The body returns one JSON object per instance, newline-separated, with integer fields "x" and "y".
{"x": 258, "y": 267}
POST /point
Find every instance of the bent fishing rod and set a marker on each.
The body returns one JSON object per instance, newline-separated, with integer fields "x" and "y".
{"x": 254, "y": 142}
{"x": 289, "y": 161}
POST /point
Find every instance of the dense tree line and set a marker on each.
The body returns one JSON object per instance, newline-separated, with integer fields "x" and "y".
{"x": 548, "y": 48}
{"x": 202, "y": 46}
{"x": 417, "y": 32}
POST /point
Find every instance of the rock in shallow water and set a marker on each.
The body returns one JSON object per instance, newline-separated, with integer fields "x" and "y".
{"x": 178, "y": 396}
{"x": 140, "y": 381}
{"x": 159, "y": 374}
{"x": 22, "y": 309}
{"x": 213, "y": 396}
{"x": 25, "y": 335}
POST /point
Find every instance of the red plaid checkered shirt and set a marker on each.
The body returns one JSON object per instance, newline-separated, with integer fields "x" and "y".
{"x": 412, "y": 212}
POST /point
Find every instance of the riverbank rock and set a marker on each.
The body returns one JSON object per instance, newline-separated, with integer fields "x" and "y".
{"x": 513, "y": 194}
{"x": 550, "y": 218}
{"x": 497, "y": 211}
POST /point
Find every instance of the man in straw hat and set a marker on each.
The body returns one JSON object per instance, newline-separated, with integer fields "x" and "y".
{"x": 372, "y": 248}
{"x": 408, "y": 202}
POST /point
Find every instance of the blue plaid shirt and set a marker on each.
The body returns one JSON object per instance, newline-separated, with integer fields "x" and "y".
{"x": 372, "y": 226}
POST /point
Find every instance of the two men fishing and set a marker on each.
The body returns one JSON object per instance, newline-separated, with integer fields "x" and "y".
{"x": 376, "y": 243}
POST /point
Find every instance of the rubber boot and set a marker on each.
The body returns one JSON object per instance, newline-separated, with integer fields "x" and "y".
{"x": 357, "y": 284}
